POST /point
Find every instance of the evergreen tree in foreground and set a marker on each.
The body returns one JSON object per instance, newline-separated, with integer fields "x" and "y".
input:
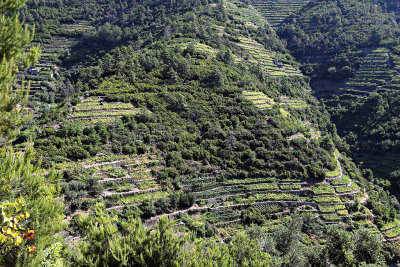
{"x": 29, "y": 212}
{"x": 14, "y": 37}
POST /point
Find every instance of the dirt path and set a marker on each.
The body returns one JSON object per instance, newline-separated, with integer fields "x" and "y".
{"x": 88, "y": 166}
{"x": 340, "y": 174}
{"x": 364, "y": 199}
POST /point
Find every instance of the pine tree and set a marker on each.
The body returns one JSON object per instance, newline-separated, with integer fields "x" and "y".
{"x": 24, "y": 189}
{"x": 14, "y": 37}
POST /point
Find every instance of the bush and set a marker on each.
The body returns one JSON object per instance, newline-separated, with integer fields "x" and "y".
{"x": 77, "y": 152}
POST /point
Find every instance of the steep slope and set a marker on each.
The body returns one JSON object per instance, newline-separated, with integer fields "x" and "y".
{"x": 350, "y": 50}
{"x": 173, "y": 78}
{"x": 277, "y": 11}
{"x": 196, "y": 108}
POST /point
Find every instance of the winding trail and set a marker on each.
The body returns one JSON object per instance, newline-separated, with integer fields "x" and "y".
{"x": 337, "y": 177}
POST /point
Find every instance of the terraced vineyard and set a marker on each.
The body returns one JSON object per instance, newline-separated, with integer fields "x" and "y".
{"x": 286, "y": 106}
{"x": 276, "y": 11}
{"x": 258, "y": 54}
{"x": 56, "y": 46}
{"x": 259, "y": 99}
{"x": 126, "y": 179}
{"x": 375, "y": 71}
{"x": 391, "y": 231}
{"x": 225, "y": 201}
{"x": 292, "y": 103}
{"x": 95, "y": 109}
{"x": 41, "y": 76}
{"x": 79, "y": 27}
{"x": 262, "y": 101}
{"x": 198, "y": 47}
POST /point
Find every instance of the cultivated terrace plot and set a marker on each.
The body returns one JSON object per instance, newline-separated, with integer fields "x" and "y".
{"x": 294, "y": 103}
{"x": 198, "y": 47}
{"x": 126, "y": 179}
{"x": 55, "y": 47}
{"x": 227, "y": 200}
{"x": 77, "y": 28}
{"x": 337, "y": 172}
{"x": 265, "y": 58}
{"x": 42, "y": 75}
{"x": 335, "y": 190}
{"x": 276, "y": 11}
{"x": 394, "y": 83}
{"x": 247, "y": 20}
{"x": 375, "y": 71}
{"x": 94, "y": 108}
{"x": 246, "y": 13}
{"x": 259, "y": 99}
{"x": 271, "y": 195}
{"x": 263, "y": 102}
{"x": 391, "y": 231}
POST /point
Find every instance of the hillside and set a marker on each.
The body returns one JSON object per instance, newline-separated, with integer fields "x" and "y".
{"x": 350, "y": 51}
{"x": 276, "y": 12}
{"x": 193, "y": 111}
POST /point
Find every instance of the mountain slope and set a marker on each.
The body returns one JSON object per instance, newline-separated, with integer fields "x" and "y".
{"x": 350, "y": 50}
{"x": 195, "y": 110}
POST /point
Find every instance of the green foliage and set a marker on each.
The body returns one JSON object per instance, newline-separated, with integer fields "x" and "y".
{"x": 218, "y": 132}
{"x": 158, "y": 246}
{"x": 139, "y": 247}
{"x": 39, "y": 192}
{"x": 15, "y": 36}
{"x": 338, "y": 28}
{"x": 320, "y": 189}
{"x": 52, "y": 256}
{"x": 342, "y": 181}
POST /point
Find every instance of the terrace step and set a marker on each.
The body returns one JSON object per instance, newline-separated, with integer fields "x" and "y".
{"x": 115, "y": 162}
{"x": 128, "y": 177}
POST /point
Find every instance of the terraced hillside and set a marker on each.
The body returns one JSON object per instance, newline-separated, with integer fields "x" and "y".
{"x": 375, "y": 71}
{"x": 252, "y": 49}
{"x": 44, "y": 76}
{"x": 382, "y": 165}
{"x": 96, "y": 109}
{"x": 126, "y": 180}
{"x": 225, "y": 202}
{"x": 260, "y": 55}
{"x": 195, "y": 110}
{"x": 248, "y": 50}
{"x": 369, "y": 97}
{"x": 276, "y": 11}
{"x": 259, "y": 99}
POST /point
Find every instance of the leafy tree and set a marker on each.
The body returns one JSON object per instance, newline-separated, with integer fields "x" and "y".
{"x": 367, "y": 247}
{"x": 339, "y": 247}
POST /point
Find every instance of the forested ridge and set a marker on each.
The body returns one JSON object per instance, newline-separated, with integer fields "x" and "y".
{"x": 187, "y": 133}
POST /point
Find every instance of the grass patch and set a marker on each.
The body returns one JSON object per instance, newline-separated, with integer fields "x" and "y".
{"x": 146, "y": 185}
{"x": 393, "y": 232}
{"x": 143, "y": 197}
{"x": 270, "y": 186}
{"x": 345, "y": 189}
{"x": 320, "y": 189}
{"x": 290, "y": 186}
{"x": 326, "y": 199}
{"x": 342, "y": 181}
